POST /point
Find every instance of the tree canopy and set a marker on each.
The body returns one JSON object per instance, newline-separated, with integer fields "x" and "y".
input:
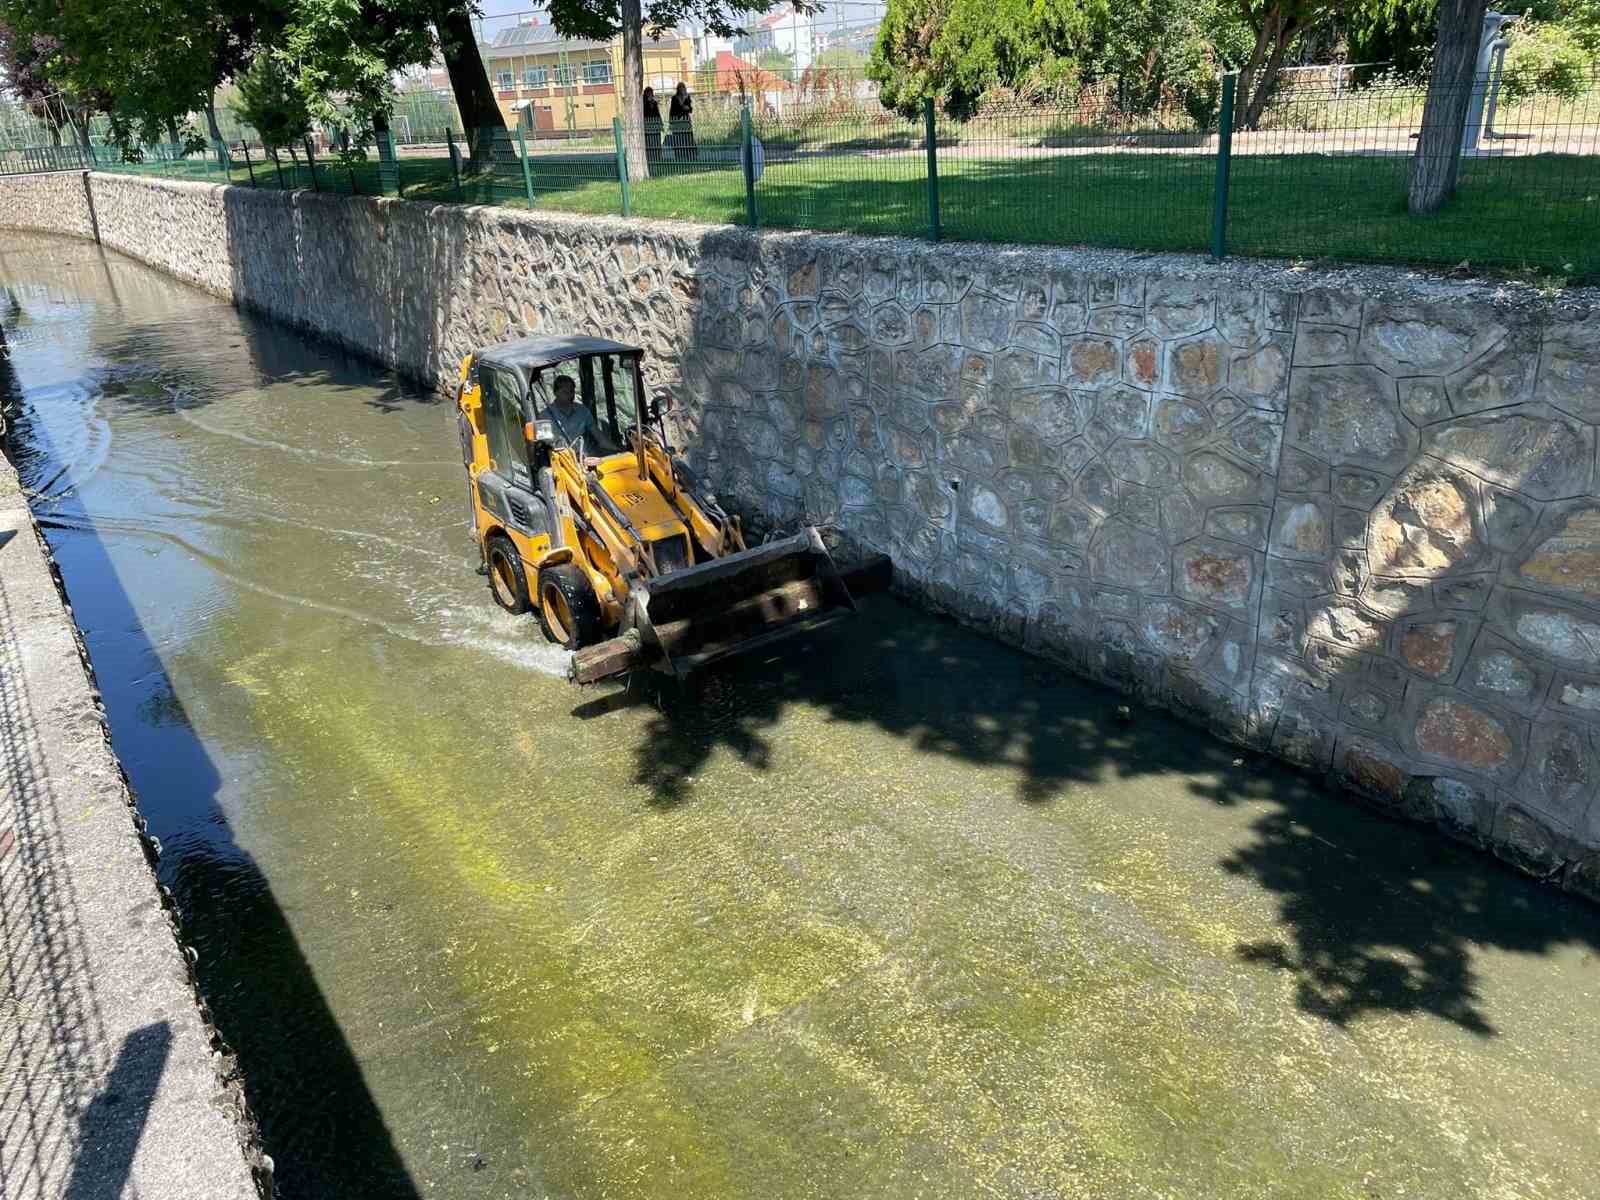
{"x": 955, "y": 51}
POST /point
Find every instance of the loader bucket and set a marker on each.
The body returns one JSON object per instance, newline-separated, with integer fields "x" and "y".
{"x": 732, "y": 605}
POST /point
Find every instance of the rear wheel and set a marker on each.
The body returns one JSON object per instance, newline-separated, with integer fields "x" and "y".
{"x": 508, "y": 583}
{"x": 567, "y": 606}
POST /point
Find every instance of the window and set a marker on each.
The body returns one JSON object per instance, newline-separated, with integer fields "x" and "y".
{"x": 507, "y": 81}
{"x": 597, "y": 72}
{"x": 565, "y": 75}
{"x": 621, "y": 389}
{"x": 535, "y": 77}
{"x": 502, "y": 420}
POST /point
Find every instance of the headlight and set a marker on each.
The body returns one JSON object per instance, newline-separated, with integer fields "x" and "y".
{"x": 544, "y": 431}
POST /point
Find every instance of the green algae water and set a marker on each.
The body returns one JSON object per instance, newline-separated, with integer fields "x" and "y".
{"x": 895, "y": 913}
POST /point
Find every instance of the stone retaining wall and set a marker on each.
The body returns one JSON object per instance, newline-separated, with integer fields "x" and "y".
{"x": 1350, "y": 518}
{"x": 51, "y": 203}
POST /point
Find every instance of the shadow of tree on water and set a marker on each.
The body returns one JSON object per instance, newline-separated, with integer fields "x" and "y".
{"x": 1377, "y": 916}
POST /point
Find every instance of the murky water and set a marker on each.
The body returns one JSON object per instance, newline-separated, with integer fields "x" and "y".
{"x": 899, "y": 913}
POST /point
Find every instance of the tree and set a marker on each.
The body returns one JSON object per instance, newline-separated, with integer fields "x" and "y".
{"x": 147, "y": 63}
{"x": 1437, "y": 160}
{"x": 1276, "y": 24}
{"x": 273, "y": 105}
{"x": 840, "y": 58}
{"x": 777, "y": 62}
{"x": 469, "y": 79}
{"x": 22, "y": 62}
{"x": 955, "y": 50}
{"x": 1153, "y": 51}
{"x": 603, "y": 20}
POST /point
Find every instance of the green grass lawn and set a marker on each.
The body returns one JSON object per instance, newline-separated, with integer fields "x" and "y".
{"x": 1539, "y": 212}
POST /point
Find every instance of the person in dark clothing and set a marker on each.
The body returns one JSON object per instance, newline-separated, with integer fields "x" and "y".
{"x": 652, "y": 126}
{"x": 681, "y": 115}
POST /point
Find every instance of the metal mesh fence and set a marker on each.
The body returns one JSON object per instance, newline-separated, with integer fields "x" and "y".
{"x": 1327, "y": 175}
{"x": 1324, "y": 173}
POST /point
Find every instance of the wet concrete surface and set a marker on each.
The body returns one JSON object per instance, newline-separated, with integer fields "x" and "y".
{"x": 896, "y": 913}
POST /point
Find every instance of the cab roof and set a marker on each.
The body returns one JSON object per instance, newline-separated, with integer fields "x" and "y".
{"x": 537, "y": 353}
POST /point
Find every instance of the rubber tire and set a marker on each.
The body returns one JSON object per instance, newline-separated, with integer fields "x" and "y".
{"x": 501, "y": 556}
{"x": 565, "y": 585}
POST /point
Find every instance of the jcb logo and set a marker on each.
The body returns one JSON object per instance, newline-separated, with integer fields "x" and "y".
{"x": 631, "y": 498}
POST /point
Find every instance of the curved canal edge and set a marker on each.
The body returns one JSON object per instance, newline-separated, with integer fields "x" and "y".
{"x": 116, "y": 1082}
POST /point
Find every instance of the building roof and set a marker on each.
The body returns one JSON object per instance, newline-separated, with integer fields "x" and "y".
{"x": 543, "y": 39}
{"x": 731, "y": 71}
{"x": 537, "y": 353}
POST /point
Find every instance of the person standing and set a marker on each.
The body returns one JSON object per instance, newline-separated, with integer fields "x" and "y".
{"x": 652, "y": 126}
{"x": 681, "y": 115}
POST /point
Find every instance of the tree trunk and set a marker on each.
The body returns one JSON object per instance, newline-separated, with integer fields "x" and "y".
{"x": 1444, "y": 116}
{"x": 633, "y": 89}
{"x": 217, "y": 146}
{"x": 1269, "y": 74}
{"x": 469, "y": 80}
{"x": 1247, "y": 75}
{"x": 83, "y": 131}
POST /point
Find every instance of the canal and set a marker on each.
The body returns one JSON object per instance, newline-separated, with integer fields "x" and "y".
{"x": 897, "y": 913}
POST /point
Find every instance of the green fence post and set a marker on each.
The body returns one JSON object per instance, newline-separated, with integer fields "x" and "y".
{"x": 748, "y": 156}
{"x": 399, "y": 177}
{"x": 277, "y": 161}
{"x": 527, "y": 171}
{"x": 388, "y": 163}
{"x": 224, "y": 161}
{"x": 933, "y": 169}
{"x": 1219, "y": 205}
{"x": 244, "y": 144}
{"x": 311, "y": 161}
{"x": 622, "y": 165}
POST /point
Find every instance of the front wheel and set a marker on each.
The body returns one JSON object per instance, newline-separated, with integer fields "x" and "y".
{"x": 508, "y": 583}
{"x": 567, "y": 606}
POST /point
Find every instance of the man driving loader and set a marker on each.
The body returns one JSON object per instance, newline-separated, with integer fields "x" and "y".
{"x": 574, "y": 421}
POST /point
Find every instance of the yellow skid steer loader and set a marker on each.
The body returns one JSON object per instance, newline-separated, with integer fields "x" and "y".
{"x": 582, "y": 512}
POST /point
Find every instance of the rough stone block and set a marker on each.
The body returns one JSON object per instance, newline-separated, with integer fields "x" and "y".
{"x": 1426, "y": 525}
{"x": 1533, "y": 450}
{"x": 1216, "y": 573}
{"x": 1433, "y": 647}
{"x": 1565, "y": 557}
{"x": 1196, "y": 366}
{"x": 1349, "y": 415}
{"x": 1090, "y": 361}
{"x": 1181, "y": 424}
{"x": 1569, "y": 369}
{"x": 1465, "y": 735}
{"x": 1124, "y": 554}
{"x": 1246, "y": 524}
{"x": 1302, "y": 527}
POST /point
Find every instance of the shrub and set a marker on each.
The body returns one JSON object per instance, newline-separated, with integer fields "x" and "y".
{"x": 1545, "y": 60}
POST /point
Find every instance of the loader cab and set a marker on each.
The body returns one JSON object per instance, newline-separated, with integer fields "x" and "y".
{"x": 605, "y": 384}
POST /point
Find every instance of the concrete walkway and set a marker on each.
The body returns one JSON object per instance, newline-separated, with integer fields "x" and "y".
{"x": 109, "y": 1085}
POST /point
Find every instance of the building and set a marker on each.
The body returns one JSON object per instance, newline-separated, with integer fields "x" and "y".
{"x": 571, "y": 86}
{"x": 785, "y": 30}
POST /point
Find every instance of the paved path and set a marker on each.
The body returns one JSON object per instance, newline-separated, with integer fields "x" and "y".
{"x": 108, "y": 1086}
